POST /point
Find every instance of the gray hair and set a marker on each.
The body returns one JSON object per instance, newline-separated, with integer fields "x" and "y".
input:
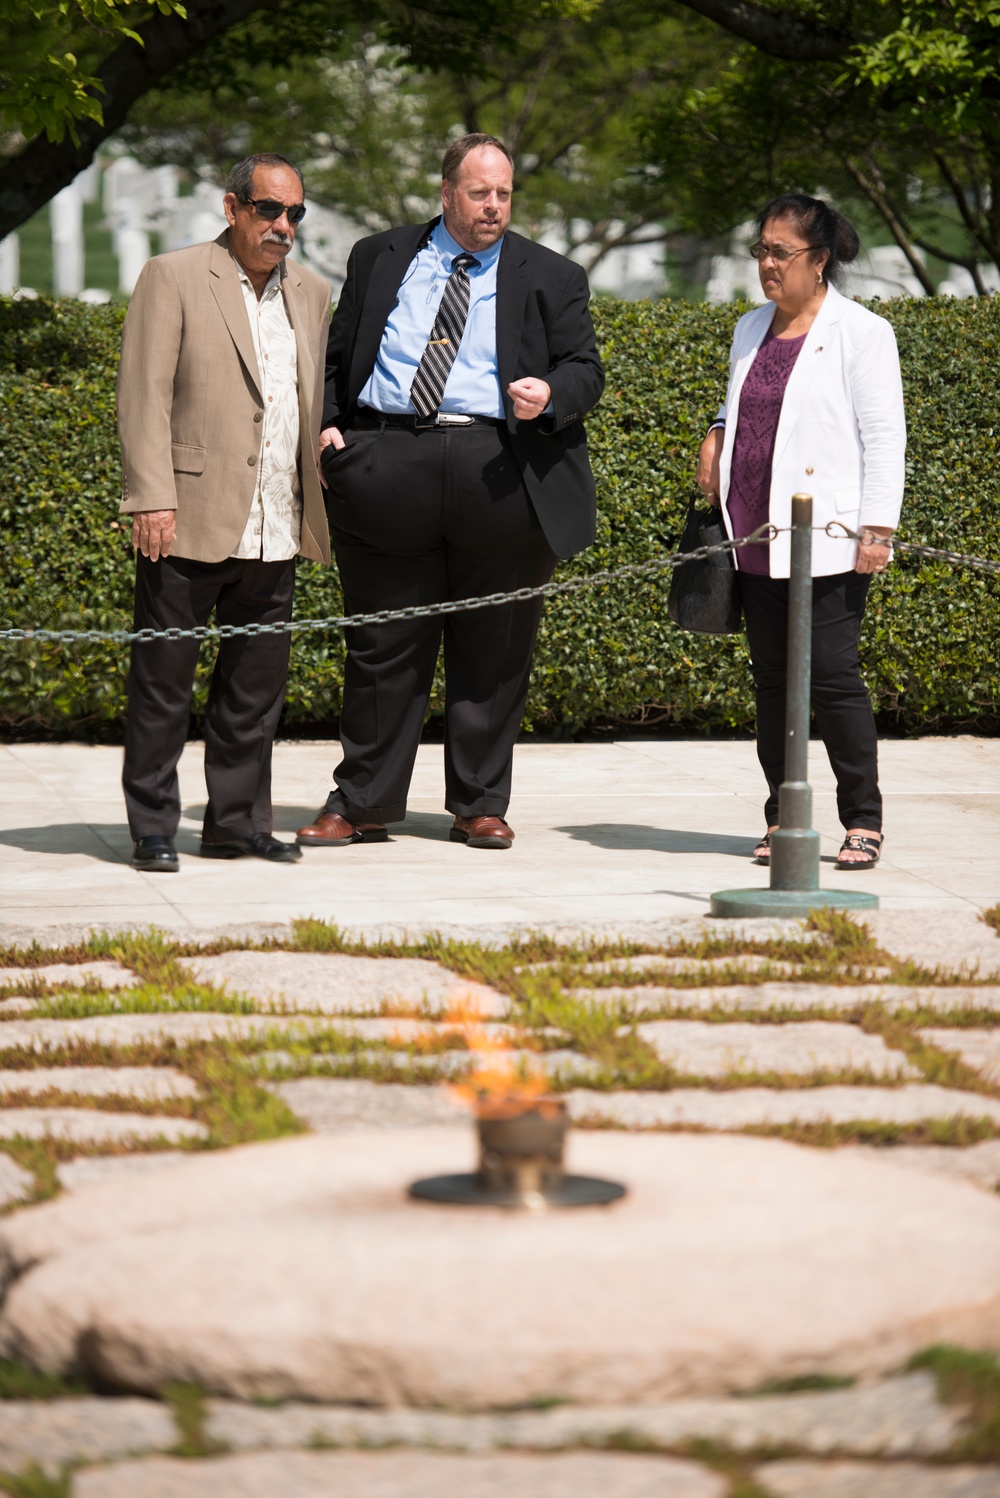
{"x": 240, "y": 179}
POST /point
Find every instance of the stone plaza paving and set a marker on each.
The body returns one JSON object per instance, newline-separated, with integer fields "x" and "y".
{"x": 214, "y": 1281}
{"x": 607, "y": 833}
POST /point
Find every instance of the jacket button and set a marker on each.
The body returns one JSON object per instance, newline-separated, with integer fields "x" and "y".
{"x": 258, "y": 416}
{"x": 252, "y": 461}
{"x": 810, "y": 470}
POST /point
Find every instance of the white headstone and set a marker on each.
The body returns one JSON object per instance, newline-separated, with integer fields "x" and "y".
{"x": 10, "y": 264}
{"x": 138, "y": 200}
{"x": 735, "y": 275}
{"x": 324, "y": 242}
{"x": 131, "y": 242}
{"x": 960, "y": 283}
{"x": 194, "y": 219}
{"x": 67, "y": 241}
{"x": 883, "y": 272}
{"x": 89, "y": 182}
{"x": 122, "y": 179}
{"x": 732, "y": 276}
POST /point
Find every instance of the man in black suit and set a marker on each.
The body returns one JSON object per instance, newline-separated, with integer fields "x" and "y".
{"x": 460, "y": 364}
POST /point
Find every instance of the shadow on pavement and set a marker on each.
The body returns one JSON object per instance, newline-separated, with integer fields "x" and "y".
{"x": 660, "y": 839}
{"x": 107, "y": 842}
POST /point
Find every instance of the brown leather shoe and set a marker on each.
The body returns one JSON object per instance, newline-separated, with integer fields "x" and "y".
{"x": 482, "y": 832}
{"x": 330, "y": 830}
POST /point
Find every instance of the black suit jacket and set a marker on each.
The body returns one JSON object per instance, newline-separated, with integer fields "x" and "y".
{"x": 544, "y": 329}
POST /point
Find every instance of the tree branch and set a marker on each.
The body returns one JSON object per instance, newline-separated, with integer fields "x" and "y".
{"x": 970, "y": 219}
{"x": 967, "y": 262}
{"x": 629, "y": 236}
{"x": 43, "y": 168}
{"x": 993, "y": 217}
{"x": 777, "y": 33}
{"x": 877, "y": 197}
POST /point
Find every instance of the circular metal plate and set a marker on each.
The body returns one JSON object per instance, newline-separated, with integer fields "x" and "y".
{"x": 465, "y": 1190}
{"x": 784, "y": 902}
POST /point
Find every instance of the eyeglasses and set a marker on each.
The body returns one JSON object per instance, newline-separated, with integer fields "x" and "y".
{"x": 779, "y": 252}
{"x": 271, "y": 209}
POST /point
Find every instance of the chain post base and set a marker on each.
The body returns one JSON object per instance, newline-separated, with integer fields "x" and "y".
{"x": 795, "y": 845}
{"x": 795, "y": 859}
{"x": 788, "y": 902}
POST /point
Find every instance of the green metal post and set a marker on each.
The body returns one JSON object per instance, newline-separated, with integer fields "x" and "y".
{"x": 795, "y": 846}
{"x": 794, "y": 888}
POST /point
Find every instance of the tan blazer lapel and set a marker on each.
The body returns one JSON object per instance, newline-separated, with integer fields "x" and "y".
{"x": 298, "y": 316}
{"x": 225, "y": 283}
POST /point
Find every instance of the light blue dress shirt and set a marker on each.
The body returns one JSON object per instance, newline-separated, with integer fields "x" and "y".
{"x": 473, "y": 387}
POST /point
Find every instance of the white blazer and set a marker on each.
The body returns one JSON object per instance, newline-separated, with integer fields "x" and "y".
{"x": 842, "y": 431}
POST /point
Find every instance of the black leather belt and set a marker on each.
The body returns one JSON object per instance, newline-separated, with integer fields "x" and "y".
{"x": 444, "y": 421}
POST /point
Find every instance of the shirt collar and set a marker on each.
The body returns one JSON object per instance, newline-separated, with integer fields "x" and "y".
{"x": 272, "y": 283}
{"x": 448, "y": 248}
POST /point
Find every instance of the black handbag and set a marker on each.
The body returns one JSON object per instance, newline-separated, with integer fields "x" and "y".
{"x": 704, "y": 597}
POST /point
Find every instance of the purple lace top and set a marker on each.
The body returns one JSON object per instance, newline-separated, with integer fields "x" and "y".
{"x": 753, "y": 446}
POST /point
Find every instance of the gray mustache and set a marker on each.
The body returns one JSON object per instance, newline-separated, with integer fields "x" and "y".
{"x": 275, "y": 236}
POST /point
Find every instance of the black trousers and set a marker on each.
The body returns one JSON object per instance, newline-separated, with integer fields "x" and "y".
{"x": 245, "y": 698}
{"x": 419, "y": 517}
{"x": 840, "y": 702}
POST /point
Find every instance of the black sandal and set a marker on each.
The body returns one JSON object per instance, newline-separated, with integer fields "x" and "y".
{"x": 858, "y": 844}
{"x": 764, "y": 858}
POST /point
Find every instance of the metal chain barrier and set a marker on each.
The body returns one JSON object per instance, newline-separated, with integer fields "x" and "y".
{"x": 764, "y": 534}
{"x": 957, "y": 558}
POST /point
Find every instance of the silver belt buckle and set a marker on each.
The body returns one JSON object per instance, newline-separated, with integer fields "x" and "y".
{"x": 454, "y": 419}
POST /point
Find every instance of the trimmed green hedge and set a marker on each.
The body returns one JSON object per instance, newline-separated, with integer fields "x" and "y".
{"x": 606, "y": 654}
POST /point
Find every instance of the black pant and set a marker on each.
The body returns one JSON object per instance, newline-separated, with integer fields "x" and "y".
{"x": 840, "y": 701}
{"x": 245, "y": 698}
{"x": 421, "y": 517}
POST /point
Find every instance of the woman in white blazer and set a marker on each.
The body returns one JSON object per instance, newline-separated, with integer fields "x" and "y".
{"x": 814, "y": 405}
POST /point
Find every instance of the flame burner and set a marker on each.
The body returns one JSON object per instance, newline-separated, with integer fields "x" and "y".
{"x": 521, "y": 1165}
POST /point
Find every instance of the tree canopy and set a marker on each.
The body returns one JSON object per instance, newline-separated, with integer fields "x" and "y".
{"x": 46, "y": 85}
{"x": 568, "y": 96}
{"x": 92, "y": 60}
{"x": 628, "y": 117}
{"x": 907, "y": 117}
{"x": 89, "y": 60}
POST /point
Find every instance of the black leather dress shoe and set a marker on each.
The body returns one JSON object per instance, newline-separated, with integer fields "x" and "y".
{"x": 258, "y": 845}
{"x": 155, "y": 855}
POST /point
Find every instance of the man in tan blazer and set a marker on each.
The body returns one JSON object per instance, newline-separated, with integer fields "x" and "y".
{"x": 220, "y": 394}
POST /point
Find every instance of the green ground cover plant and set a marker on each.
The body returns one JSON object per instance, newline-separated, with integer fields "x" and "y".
{"x": 970, "y": 1379}
{"x": 606, "y": 656}
{"x": 189, "y": 1407}
{"x": 736, "y": 1467}
{"x": 33, "y": 1482}
{"x": 550, "y": 1010}
{"x": 20, "y": 1382}
{"x": 557, "y": 1004}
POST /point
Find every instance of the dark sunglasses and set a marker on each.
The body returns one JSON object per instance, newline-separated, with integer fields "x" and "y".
{"x": 271, "y": 209}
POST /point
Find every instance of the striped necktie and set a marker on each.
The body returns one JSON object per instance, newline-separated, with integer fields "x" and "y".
{"x": 427, "y": 390}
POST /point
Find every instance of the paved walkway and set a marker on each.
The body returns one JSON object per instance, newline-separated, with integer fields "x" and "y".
{"x": 616, "y": 833}
{"x": 735, "y": 1265}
